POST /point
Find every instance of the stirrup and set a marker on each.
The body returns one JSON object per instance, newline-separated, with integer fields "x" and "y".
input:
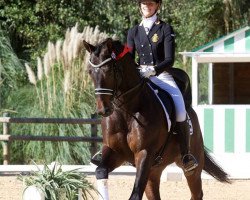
{"x": 189, "y": 165}
{"x": 96, "y": 159}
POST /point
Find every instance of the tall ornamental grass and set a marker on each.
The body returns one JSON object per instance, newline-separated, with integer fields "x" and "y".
{"x": 60, "y": 88}
{"x": 12, "y": 75}
{"x": 11, "y": 69}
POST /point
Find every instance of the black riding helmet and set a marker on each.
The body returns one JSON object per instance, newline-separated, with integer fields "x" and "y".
{"x": 156, "y": 1}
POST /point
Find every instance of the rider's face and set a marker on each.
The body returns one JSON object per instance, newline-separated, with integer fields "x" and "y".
{"x": 149, "y": 8}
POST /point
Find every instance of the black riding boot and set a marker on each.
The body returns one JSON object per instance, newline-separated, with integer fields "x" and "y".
{"x": 183, "y": 135}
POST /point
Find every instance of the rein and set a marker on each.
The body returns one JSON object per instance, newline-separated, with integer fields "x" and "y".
{"x": 141, "y": 83}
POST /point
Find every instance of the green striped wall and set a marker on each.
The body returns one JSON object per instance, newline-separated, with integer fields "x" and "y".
{"x": 208, "y": 128}
{"x": 247, "y": 38}
{"x": 229, "y": 127}
{"x": 229, "y": 130}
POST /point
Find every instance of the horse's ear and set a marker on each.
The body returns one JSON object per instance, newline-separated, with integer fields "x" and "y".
{"x": 89, "y": 47}
{"x": 110, "y": 44}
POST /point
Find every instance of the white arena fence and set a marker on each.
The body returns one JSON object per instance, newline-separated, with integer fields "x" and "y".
{"x": 226, "y": 132}
{"x": 171, "y": 173}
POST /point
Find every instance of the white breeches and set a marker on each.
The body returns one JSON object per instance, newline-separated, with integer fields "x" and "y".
{"x": 167, "y": 83}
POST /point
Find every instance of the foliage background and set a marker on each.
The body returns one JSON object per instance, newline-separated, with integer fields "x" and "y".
{"x": 27, "y": 26}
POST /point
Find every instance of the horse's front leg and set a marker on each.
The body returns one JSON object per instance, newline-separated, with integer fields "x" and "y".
{"x": 143, "y": 164}
{"x": 110, "y": 160}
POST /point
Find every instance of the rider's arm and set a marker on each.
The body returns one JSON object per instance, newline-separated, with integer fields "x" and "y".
{"x": 169, "y": 50}
{"x": 130, "y": 42}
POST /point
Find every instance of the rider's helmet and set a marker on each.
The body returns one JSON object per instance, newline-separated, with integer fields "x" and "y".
{"x": 156, "y": 1}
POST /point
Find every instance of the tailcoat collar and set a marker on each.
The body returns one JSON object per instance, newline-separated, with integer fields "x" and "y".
{"x": 154, "y": 28}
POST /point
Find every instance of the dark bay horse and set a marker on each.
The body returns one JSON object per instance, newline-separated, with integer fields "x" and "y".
{"x": 134, "y": 126}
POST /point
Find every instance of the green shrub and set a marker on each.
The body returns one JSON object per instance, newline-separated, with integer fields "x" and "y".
{"x": 58, "y": 184}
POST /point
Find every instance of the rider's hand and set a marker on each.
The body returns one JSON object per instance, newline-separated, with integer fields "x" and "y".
{"x": 147, "y": 71}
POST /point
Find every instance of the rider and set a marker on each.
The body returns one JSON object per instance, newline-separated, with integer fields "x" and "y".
{"x": 154, "y": 42}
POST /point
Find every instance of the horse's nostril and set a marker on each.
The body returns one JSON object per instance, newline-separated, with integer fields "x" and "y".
{"x": 108, "y": 111}
{"x": 98, "y": 112}
{"x": 105, "y": 112}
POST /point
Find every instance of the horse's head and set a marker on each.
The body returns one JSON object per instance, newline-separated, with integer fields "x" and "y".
{"x": 104, "y": 72}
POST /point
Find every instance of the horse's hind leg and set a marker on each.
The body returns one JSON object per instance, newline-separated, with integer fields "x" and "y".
{"x": 153, "y": 185}
{"x": 195, "y": 186}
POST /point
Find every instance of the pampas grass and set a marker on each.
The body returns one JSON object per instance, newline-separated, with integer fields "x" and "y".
{"x": 11, "y": 69}
{"x": 64, "y": 67}
{"x": 39, "y": 69}
{"x": 31, "y": 74}
{"x": 63, "y": 90}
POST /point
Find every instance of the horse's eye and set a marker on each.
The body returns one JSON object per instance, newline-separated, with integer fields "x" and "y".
{"x": 109, "y": 70}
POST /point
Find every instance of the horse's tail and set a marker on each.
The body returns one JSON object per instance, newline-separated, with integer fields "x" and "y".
{"x": 212, "y": 168}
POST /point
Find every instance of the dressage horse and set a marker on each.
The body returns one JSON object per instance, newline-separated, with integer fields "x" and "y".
{"x": 134, "y": 125}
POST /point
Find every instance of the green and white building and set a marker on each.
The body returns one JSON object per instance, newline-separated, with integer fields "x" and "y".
{"x": 224, "y": 109}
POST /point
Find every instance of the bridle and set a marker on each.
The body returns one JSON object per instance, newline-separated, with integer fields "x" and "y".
{"x": 107, "y": 91}
{"x": 113, "y": 58}
{"x": 104, "y": 91}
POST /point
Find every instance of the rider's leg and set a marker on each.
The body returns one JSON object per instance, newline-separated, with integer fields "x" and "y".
{"x": 183, "y": 136}
{"x": 166, "y": 82}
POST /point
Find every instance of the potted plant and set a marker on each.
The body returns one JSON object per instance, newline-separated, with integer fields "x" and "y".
{"x": 52, "y": 183}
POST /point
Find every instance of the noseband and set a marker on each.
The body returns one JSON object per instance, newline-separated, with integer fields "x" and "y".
{"x": 113, "y": 58}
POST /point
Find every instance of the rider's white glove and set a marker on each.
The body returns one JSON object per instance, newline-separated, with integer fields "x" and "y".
{"x": 147, "y": 71}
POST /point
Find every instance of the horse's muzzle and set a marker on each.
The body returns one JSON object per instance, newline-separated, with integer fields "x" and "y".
{"x": 105, "y": 111}
{"x": 104, "y": 105}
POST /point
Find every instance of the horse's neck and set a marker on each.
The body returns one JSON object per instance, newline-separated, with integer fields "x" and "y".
{"x": 130, "y": 74}
{"x": 131, "y": 86}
